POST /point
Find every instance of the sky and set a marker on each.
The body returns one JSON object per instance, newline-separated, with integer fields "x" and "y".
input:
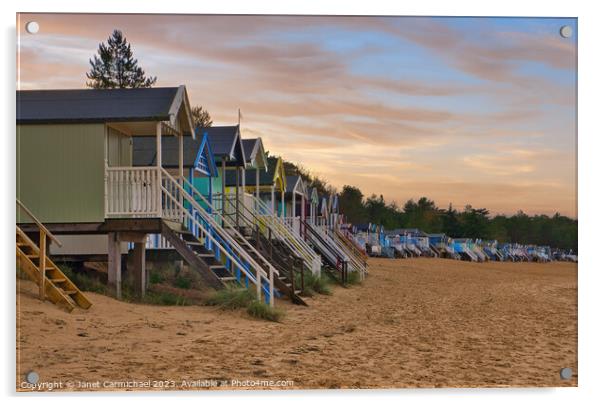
{"x": 478, "y": 111}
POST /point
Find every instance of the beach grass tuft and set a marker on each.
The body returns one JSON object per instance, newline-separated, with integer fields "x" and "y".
{"x": 231, "y": 298}
{"x": 261, "y": 310}
{"x": 353, "y": 278}
{"x": 318, "y": 284}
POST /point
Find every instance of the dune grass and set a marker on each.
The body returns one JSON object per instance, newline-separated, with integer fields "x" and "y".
{"x": 231, "y": 298}
{"x": 353, "y": 278}
{"x": 236, "y": 298}
{"x": 261, "y": 310}
{"x": 314, "y": 284}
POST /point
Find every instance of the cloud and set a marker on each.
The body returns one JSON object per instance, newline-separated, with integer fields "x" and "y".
{"x": 482, "y": 123}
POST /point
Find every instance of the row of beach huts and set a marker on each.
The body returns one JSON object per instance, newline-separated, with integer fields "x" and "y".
{"x": 405, "y": 243}
{"x": 124, "y": 176}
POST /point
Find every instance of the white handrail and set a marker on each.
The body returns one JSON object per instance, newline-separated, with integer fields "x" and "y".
{"x": 284, "y": 233}
{"x": 240, "y": 267}
{"x": 307, "y": 250}
{"x": 242, "y": 238}
{"x": 223, "y": 234}
{"x": 355, "y": 260}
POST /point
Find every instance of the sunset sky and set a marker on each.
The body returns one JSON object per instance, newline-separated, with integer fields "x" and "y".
{"x": 461, "y": 110}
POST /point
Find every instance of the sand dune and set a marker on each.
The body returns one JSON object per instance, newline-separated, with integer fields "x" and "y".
{"x": 413, "y": 323}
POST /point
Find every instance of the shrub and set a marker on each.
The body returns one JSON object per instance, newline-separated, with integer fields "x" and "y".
{"x": 261, "y": 310}
{"x": 83, "y": 281}
{"x": 156, "y": 278}
{"x": 183, "y": 282}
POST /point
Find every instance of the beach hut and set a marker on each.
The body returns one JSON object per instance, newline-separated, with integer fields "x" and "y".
{"x": 314, "y": 201}
{"x": 75, "y": 148}
{"x": 462, "y": 246}
{"x": 267, "y": 207}
{"x": 257, "y": 161}
{"x": 229, "y": 156}
{"x": 270, "y": 187}
{"x": 199, "y": 169}
{"x": 295, "y": 198}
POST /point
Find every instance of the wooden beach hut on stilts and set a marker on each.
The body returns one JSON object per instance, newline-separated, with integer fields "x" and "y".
{"x": 75, "y": 148}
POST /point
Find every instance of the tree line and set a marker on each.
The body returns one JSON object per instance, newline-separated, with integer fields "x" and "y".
{"x": 556, "y": 231}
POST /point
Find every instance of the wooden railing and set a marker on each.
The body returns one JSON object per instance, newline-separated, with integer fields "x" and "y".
{"x": 133, "y": 192}
{"x": 44, "y": 235}
{"x": 174, "y": 190}
{"x": 283, "y": 231}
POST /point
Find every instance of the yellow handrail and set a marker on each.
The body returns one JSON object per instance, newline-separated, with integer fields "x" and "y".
{"x": 38, "y": 223}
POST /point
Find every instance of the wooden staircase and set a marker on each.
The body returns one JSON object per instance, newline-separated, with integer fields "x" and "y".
{"x": 207, "y": 246}
{"x": 212, "y": 271}
{"x": 287, "y": 265}
{"x": 337, "y": 264}
{"x": 52, "y": 282}
{"x": 249, "y": 231}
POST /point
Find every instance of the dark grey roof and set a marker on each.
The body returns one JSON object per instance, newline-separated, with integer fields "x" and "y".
{"x": 92, "y": 105}
{"x": 266, "y": 178}
{"x": 291, "y": 181}
{"x": 248, "y": 146}
{"x": 222, "y": 139}
{"x": 145, "y": 151}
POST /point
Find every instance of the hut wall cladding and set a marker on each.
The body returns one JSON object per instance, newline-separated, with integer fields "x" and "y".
{"x": 60, "y": 172}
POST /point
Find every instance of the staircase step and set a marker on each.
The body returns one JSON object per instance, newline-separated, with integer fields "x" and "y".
{"x": 227, "y": 278}
{"x": 209, "y": 255}
{"x": 58, "y": 280}
{"x": 217, "y": 266}
{"x": 32, "y": 256}
{"x": 70, "y": 292}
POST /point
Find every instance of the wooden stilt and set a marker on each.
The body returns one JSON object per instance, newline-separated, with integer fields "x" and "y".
{"x": 114, "y": 271}
{"x": 140, "y": 267}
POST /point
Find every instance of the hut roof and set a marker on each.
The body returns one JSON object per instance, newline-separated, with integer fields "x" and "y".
{"x": 197, "y": 153}
{"x": 226, "y": 143}
{"x": 103, "y": 105}
{"x": 266, "y": 177}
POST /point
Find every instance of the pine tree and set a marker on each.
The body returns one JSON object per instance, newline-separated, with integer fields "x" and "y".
{"x": 201, "y": 117}
{"x": 115, "y": 66}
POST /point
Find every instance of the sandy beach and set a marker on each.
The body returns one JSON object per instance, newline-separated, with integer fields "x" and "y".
{"x": 412, "y": 323}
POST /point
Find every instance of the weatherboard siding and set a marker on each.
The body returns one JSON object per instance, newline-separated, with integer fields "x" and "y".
{"x": 60, "y": 172}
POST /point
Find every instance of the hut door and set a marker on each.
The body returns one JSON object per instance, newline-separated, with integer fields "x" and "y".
{"x": 119, "y": 148}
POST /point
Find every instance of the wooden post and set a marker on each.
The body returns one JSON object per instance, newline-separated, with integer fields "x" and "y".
{"x": 42, "y": 265}
{"x": 223, "y": 189}
{"x": 237, "y": 196}
{"x": 257, "y": 182}
{"x": 140, "y": 267}
{"x": 181, "y": 173}
{"x": 302, "y": 228}
{"x": 282, "y": 203}
{"x": 294, "y": 208}
{"x": 273, "y": 202}
{"x": 114, "y": 271}
{"x": 158, "y": 164}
